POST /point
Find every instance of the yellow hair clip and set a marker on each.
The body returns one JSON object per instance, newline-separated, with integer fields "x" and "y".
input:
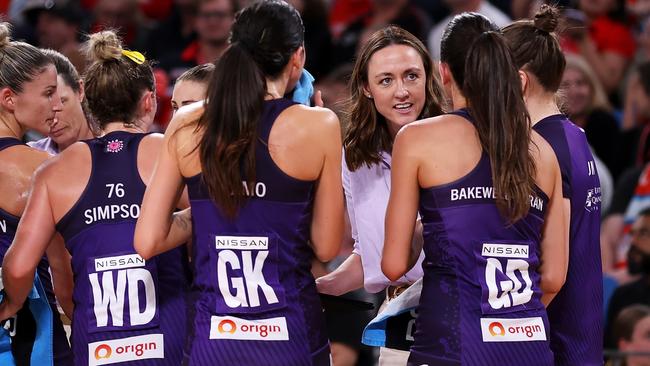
{"x": 134, "y": 56}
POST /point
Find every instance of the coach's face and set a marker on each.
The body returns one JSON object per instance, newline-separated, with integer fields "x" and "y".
{"x": 396, "y": 84}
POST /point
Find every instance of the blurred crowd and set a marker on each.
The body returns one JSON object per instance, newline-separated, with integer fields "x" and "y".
{"x": 605, "y": 90}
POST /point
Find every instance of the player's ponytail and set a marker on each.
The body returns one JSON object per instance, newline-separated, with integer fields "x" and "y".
{"x": 264, "y": 37}
{"x": 484, "y": 69}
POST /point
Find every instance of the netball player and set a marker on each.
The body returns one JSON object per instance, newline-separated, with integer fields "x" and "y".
{"x": 28, "y": 100}
{"x": 393, "y": 83}
{"x": 70, "y": 124}
{"x": 191, "y": 86}
{"x": 125, "y": 308}
{"x": 485, "y": 185}
{"x": 264, "y": 179}
{"x": 576, "y": 314}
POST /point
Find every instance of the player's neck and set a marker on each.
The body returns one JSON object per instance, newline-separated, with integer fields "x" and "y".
{"x": 541, "y": 106}
{"x": 9, "y": 127}
{"x": 458, "y": 100}
{"x": 121, "y": 126}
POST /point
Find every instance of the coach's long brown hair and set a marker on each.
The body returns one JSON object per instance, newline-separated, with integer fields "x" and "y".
{"x": 367, "y": 133}
{"x": 484, "y": 69}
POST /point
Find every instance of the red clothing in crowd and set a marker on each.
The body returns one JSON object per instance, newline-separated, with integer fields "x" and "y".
{"x": 344, "y": 12}
{"x": 152, "y": 9}
{"x": 609, "y": 36}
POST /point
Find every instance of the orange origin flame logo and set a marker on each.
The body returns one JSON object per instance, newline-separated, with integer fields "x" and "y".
{"x": 497, "y": 329}
{"x": 227, "y": 326}
{"x": 103, "y": 347}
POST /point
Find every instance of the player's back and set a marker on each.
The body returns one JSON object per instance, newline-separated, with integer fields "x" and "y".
{"x": 126, "y": 308}
{"x": 481, "y": 298}
{"x": 576, "y": 313}
{"x": 256, "y": 298}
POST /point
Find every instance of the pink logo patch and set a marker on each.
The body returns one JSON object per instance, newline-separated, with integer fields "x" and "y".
{"x": 114, "y": 146}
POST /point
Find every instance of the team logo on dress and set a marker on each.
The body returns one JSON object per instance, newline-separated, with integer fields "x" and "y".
{"x": 227, "y": 326}
{"x": 496, "y": 329}
{"x": 593, "y": 200}
{"x": 103, "y": 351}
{"x": 114, "y": 146}
{"x": 513, "y": 330}
{"x": 230, "y": 327}
{"x": 149, "y": 346}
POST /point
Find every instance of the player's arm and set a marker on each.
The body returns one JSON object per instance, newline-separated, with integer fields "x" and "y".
{"x": 61, "y": 266}
{"x": 159, "y": 229}
{"x": 349, "y": 275}
{"x": 327, "y": 220}
{"x": 33, "y": 235}
{"x": 401, "y": 213}
{"x": 555, "y": 238}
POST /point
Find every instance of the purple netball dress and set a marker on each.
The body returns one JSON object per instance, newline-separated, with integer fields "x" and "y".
{"x": 8, "y": 225}
{"x": 255, "y": 298}
{"x": 127, "y": 310}
{"x": 576, "y": 313}
{"x": 480, "y": 302}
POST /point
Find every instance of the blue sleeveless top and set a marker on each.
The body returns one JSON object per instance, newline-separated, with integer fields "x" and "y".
{"x": 126, "y": 308}
{"x": 255, "y": 297}
{"x": 480, "y": 302}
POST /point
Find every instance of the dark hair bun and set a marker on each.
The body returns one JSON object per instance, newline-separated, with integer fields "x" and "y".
{"x": 547, "y": 18}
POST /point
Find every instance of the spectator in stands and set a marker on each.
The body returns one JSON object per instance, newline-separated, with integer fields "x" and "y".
{"x": 70, "y": 123}
{"x": 458, "y": 6}
{"x": 58, "y": 25}
{"x": 637, "y": 98}
{"x": 638, "y": 264}
{"x": 214, "y": 19}
{"x": 588, "y": 107}
{"x": 632, "y": 334}
{"x": 169, "y": 38}
{"x": 152, "y": 9}
{"x": 382, "y": 12}
{"x": 604, "y": 40}
{"x": 124, "y": 16}
{"x": 631, "y": 197}
{"x": 343, "y": 12}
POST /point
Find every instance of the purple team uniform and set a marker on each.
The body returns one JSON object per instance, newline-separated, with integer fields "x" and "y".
{"x": 481, "y": 297}
{"x": 255, "y": 298}
{"x": 576, "y": 313}
{"x": 127, "y": 310}
{"x": 8, "y": 226}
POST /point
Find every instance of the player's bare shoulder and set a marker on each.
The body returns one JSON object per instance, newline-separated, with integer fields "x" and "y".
{"x": 317, "y": 122}
{"x": 66, "y": 164}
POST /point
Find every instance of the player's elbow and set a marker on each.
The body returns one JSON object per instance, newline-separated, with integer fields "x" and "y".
{"x": 326, "y": 241}
{"x": 392, "y": 270}
{"x": 552, "y": 283}
{"x": 12, "y": 271}
{"x": 144, "y": 246}
{"x": 327, "y": 252}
